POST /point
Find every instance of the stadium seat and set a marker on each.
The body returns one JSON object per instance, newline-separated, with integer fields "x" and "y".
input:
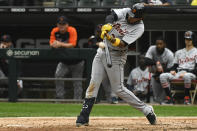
{"x": 64, "y": 3}
{"x": 111, "y": 3}
{"x": 3, "y": 3}
{"x": 88, "y": 3}
{"x": 182, "y": 2}
{"x": 49, "y": 3}
{"x": 128, "y": 2}
{"x": 131, "y": 2}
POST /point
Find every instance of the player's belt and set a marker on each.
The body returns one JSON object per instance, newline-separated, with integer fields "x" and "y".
{"x": 184, "y": 70}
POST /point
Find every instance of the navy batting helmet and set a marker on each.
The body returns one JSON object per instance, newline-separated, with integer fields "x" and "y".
{"x": 137, "y": 10}
{"x": 190, "y": 35}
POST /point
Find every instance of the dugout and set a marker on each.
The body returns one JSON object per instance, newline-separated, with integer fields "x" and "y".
{"x": 30, "y": 27}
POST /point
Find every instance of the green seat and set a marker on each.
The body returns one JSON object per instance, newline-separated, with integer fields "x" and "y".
{"x": 128, "y": 2}
{"x": 182, "y": 2}
{"x": 88, "y": 3}
{"x": 111, "y": 3}
{"x": 64, "y": 3}
{"x": 49, "y": 3}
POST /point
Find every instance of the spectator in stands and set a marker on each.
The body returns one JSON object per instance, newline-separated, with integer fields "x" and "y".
{"x": 139, "y": 80}
{"x": 161, "y": 56}
{"x": 157, "y": 2}
{"x": 6, "y": 42}
{"x": 185, "y": 67}
{"x": 65, "y": 36}
{"x": 94, "y": 42}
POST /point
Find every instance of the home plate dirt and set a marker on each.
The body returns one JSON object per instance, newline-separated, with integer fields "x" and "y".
{"x": 97, "y": 124}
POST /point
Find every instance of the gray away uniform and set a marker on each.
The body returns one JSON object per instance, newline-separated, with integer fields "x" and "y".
{"x": 166, "y": 59}
{"x": 129, "y": 33}
{"x": 186, "y": 60}
{"x": 140, "y": 79}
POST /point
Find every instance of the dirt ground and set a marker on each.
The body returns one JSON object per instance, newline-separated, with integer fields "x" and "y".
{"x": 97, "y": 124}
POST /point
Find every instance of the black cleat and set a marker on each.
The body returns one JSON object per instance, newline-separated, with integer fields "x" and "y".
{"x": 187, "y": 101}
{"x": 82, "y": 121}
{"x": 114, "y": 100}
{"x": 152, "y": 118}
{"x": 83, "y": 118}
{"x": 168, "y": 101}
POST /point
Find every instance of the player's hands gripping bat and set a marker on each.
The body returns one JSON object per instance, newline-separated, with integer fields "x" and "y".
{"x": 104, "y": 30}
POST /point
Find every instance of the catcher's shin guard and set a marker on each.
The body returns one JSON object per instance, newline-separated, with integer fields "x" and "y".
{"x": 83, "y": 118}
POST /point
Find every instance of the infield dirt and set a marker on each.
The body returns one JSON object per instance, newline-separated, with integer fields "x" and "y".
{"x": 97, "y": 124}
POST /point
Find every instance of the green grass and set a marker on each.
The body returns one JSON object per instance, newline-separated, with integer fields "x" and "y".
{"x": 25, "y": 109}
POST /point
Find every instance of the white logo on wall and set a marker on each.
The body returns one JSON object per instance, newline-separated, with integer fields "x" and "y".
{"x": 9, "y": 52}
{"x": 22, "y": 53}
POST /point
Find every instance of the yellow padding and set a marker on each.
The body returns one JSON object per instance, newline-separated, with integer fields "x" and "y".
{"x": 117, "y": 42}
{"x": 103, "y": 34}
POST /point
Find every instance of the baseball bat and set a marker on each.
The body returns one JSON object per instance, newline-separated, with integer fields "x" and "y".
{"x": 108, "y": 56}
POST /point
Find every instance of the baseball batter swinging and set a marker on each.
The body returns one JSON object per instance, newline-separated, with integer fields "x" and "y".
{"x": 126, "y": 27}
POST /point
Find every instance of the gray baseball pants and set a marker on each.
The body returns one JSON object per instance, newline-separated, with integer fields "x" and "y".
{"x": 166, "y": 77}
{"x": 116, "y": 77}
{"x": 158, "y": 91}
{"x": 76, "y": 71}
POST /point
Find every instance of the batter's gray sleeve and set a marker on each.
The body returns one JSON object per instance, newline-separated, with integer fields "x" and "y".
{"x": 134, "y": 35}
{"x": 121, "y": 13}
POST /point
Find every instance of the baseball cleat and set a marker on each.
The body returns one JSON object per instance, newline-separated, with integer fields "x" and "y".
{"x": 152, "y": 117}
{"x": 114, "y": 100}
{"x": 81, "y": 124}
{"x": 187, "y": 101}
{"x": 81, "y": 121}
{"x": 168, "y": 101}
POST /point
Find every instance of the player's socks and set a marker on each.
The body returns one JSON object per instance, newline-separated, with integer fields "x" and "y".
{"x": 167, "y": 91}
{"x": 187, "y": 100}
{"x": 169, "y": 100}
{"x": 187, "y": 91}
{"x": 83, "y": 118}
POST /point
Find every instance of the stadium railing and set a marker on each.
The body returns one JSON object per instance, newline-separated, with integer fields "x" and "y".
{"x": 13, "y": 55}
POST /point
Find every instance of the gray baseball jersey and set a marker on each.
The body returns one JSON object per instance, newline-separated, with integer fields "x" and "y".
{"x": 140, "y": 79}
{"x": 166, "y": 59}
{"x": 185, "y": 60}
{"x": 128, "y": 33}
